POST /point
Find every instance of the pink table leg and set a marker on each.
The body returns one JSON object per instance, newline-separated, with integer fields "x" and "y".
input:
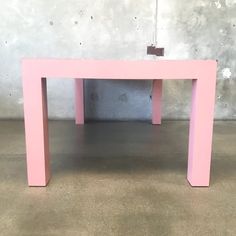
{"x": 156, "y": 101}
{"x": 79, "y": 101}
{"x": 36, "y": 129}
{"x": 201, "y": 128}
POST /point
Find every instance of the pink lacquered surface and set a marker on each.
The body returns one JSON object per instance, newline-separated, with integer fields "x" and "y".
{"x": 201, "y": 72}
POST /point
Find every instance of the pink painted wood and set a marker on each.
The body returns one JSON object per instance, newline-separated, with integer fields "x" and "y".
{"x": 156, "y": 102}
{"x": 201, "y": 72}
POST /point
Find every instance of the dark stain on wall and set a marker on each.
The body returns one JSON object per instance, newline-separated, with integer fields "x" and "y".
{"x": 123, "y": 98}
{"x": 94, "y": 97}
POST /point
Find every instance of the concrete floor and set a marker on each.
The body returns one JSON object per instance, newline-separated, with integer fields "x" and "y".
{"x": 117, "y": 179}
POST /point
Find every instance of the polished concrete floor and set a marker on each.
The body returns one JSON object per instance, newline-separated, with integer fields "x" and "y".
{"x": 117, "y": 179}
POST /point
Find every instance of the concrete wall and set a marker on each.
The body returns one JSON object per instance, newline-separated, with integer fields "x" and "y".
{"x": 109, "y": 29}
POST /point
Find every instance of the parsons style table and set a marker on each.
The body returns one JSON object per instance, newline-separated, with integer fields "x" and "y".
{"x": 201, "y": 72}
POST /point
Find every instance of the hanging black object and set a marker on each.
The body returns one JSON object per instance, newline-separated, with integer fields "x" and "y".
{"x": 152, "y": 50}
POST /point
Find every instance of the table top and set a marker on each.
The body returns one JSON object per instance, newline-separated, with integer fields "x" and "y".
{"x": 119, "y": 69}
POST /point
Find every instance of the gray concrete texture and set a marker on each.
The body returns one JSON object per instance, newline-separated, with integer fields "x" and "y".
{"x": 108, "y": 29}
{"x": 117, "y": 179}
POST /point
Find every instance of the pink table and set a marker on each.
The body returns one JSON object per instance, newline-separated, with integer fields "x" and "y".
{"x": 201, "y": 72}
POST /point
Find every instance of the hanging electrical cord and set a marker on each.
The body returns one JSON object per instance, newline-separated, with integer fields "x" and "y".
{"x": 155, "y": 29}
{"x": 153, "y": 49}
